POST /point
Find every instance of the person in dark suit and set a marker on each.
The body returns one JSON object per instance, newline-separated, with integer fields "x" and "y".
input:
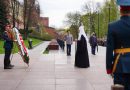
{"x": 81, "y": 56}
{"x": 8, "y": 45}
{"x": 93, "y": 43}
{"x": 118, "y": 46}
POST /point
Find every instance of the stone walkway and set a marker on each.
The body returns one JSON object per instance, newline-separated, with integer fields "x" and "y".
{"x": 55, "y": 71}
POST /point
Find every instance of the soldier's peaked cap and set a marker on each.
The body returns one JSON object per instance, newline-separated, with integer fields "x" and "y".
{"x": 123, "y": 2}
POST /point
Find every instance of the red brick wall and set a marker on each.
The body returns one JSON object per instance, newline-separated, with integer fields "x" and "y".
{"x": 51, "y": 31}
{"x": 45, "y": 21}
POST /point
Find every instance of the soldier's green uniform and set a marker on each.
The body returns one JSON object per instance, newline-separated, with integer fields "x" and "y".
{"x": 118, "y": 46}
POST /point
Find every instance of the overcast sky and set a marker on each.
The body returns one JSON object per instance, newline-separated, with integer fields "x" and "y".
{"x": 56, "y": 10}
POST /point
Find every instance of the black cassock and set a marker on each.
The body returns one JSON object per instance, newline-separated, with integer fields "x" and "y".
{"x": 81, "y": 57}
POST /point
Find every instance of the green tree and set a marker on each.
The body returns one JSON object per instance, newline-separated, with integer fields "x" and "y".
{"x": 3, "y": 15}
{"x": 73, "y": 20}
{"x": 108, "y": 13}
{"x": 89, "y": 19}
{"x": 94, "y": 21}
{"x": 74, "y": 31}
{"x": 31, "y": 9}
{"x": 15, "y": 10}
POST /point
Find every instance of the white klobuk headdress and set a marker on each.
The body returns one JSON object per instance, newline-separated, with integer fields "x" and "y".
{"x": 82, "y": 32}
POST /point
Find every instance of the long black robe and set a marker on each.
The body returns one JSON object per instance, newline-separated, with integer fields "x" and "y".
{"x": 81, "y": 57}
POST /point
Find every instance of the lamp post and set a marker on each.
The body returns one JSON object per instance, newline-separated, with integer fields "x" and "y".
{"x": 98, "y": 24}
{"x": 90, "y": 16}
{"x": 109, "y": 13}
{"x": 98, "y": 5}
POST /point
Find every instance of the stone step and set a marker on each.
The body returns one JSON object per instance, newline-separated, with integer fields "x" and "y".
{"x": 117, "y": 87}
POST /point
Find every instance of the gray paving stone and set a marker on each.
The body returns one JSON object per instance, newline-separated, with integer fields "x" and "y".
{"x": 55, "y": 71}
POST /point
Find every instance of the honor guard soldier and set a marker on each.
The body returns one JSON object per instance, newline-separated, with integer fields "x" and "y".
{"x": 118, "y": 47}
{"x": 8, "y": 46}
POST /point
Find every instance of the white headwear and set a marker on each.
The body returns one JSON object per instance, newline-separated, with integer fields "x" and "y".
{"x": 82, "y": 32}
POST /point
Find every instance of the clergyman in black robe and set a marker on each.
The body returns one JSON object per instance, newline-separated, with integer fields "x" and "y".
{"x": 81, "y": 57}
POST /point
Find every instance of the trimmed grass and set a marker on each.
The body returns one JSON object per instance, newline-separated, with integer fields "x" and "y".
{"x": 15, "y": 48}
{"x": 1, "y": 46}
{"x": 46, "y": 51}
